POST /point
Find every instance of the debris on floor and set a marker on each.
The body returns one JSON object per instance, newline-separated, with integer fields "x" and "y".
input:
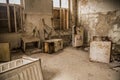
{"x": 115, "y": 57}
{"x": 115, "y": 66}
{"x": 36, "y": 51}
{"x": 86, "y": 48}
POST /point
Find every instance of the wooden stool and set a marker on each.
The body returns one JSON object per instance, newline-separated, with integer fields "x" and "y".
{"x": 26, "y": 40}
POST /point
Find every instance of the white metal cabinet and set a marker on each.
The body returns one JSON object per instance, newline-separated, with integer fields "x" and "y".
{"x": 100, "y": 51}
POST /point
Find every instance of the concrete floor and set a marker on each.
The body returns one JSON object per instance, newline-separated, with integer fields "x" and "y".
{"x": 74, "y": 64}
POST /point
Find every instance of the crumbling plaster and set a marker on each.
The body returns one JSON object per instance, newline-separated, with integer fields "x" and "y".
{"x": 99, "y": 18}
{"x": 35, "y": 11}
{"x": 34, "y": 21}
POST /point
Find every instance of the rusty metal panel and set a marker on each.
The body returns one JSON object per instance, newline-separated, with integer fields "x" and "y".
{"x": 4, "y": 52}
{"x": 21, "y": 69}
{"x": 100, "y": 51}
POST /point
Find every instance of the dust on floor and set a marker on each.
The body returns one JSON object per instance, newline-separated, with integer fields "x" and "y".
{"x": 73, "y": 64}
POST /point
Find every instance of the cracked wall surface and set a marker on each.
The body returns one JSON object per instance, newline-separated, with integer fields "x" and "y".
{"x": 35, "y": 11}
{"x": 99, "y": 18}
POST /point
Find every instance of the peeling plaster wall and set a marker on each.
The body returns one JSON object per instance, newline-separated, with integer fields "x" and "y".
{"x": 94, "y": 6}
{"x": 34, "y": 21}
{"x": 34, "y": 12}
{"x": 99, "y": 18}
{"x": 13, "y": 39}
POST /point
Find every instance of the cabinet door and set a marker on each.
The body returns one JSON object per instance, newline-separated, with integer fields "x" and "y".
{"x": 4, "y": 52}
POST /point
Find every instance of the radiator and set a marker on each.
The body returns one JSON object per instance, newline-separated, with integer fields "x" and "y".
{"x": 21, "y": 69}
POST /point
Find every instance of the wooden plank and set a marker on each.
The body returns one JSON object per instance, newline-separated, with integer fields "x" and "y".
{"x": 60, "y": 16}
{"x": 63, "y": 18}
{"x": 67, "y": 19}
{"x": 4, "y": 52}
{"x": 21, "y": 16}
{"x": 15, "y": 19}
{"x": 52, "y": 15}
{"x": 69, "y": 13}
{"x": 8, "y": 14}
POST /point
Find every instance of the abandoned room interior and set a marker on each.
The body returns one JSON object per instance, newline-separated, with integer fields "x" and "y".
{"x": 59, "y": 39}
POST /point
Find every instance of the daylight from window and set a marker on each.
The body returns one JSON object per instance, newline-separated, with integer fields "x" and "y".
{"x": 14, "y": 1}
{"x": 64, "y": 3}
{"x": 11, "y": 1}
{"x": 2, "y": 1}
{"x": 56, "y": 3}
